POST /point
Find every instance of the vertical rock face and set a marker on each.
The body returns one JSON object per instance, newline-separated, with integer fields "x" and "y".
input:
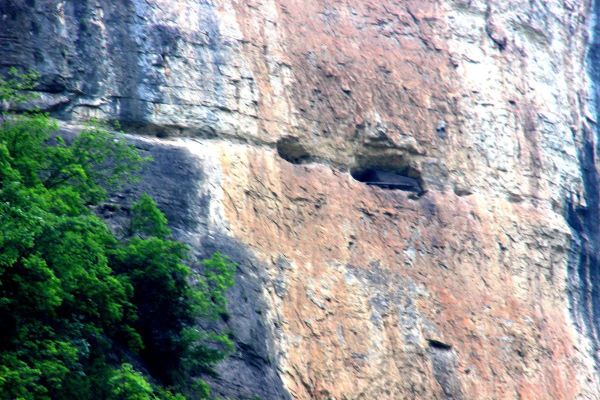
{"x": 582, "y": 218}
{"x": 481, "y": 284}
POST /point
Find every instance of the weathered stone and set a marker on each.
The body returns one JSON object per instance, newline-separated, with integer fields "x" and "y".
{"x": 346, "y": 290}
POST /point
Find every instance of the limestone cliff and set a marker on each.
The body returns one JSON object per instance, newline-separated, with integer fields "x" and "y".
{"x": 263, "y": 115}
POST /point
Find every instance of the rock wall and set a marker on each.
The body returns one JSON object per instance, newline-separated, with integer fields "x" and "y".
{"x": 483, "y": 286}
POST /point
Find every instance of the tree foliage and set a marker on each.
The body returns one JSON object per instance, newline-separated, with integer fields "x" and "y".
{"x": 82, "y": 314}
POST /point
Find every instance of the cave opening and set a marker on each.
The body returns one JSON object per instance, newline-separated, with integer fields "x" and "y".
{"x": 388, "y": 178}
{"x": 291, "y": 150}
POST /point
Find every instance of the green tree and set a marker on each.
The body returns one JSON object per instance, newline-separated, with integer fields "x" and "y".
{"x": 78, "y": 307}
{"x": 147, "y": 220}
{"x": 16, "y": 86}
{"x": 129, "y": 384}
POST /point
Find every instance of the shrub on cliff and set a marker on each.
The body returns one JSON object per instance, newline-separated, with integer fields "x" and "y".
{"x": 82, "y": 314}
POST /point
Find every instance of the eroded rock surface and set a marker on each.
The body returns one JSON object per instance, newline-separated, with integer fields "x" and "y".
{"x": 485, "y": 286}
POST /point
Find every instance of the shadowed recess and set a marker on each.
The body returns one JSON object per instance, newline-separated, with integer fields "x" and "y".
{"x": 388, "y": 171}
{"x": 389, "y": 179}
{"x": 291, "y": 150}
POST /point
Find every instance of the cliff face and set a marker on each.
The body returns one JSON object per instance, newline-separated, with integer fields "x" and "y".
{"x": 483, "y": 283}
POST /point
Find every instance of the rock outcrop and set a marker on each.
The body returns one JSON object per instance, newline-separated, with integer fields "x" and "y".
{"x": 483, "y": 285}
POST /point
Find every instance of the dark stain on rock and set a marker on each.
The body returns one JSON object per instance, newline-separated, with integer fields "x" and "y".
{"x": 173, "y": 178}
{"x": 583, "y": 216}
{"x": 443, "y": 362}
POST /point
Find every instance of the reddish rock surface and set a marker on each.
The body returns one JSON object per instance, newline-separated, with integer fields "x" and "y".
{"x": 474, "y": 289}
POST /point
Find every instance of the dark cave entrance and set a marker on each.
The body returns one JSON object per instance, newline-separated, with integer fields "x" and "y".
{"x": 386, "y": 178}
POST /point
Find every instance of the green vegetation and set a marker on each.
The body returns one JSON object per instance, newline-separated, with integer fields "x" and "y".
{"x": 84, "y": 315}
